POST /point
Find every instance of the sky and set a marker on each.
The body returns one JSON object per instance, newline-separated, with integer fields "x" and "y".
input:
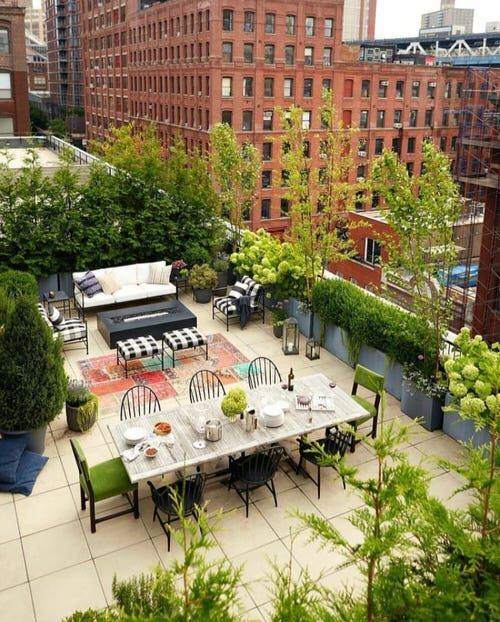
{"x": 395, "y": 21}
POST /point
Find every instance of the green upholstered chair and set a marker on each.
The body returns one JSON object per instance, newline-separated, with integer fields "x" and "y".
{"x": 373, "y": 382}
{"x": 102, "y": 481}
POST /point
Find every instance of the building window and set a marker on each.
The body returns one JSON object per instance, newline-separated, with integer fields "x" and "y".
{"x": 398, "y": 117}
{"x": 431, "y": 90}
{"x": 327, "y": 57}
{"x": 363, "y": 119}
{"x": 400, "y": 88}
{"x": 227, "y": 52}
{"x": 459, "y": 89}
{"x": 361, "y": 172}
{"x": 442, "y": 143}
{"x": 310, "y": 26}
{"x": 348, "y": 87}
{"x": 4, "y": 41}
{"x": 446, "y": 117}
{"x": 290, "y": 25}
{"x": 247, "y": 87}
{"x": 284, "y": 208}
{"x": 413, "y": 118}
{"x": 308, "y": 56}
{"x": 248, "y": 53}
{"x": 362, "y": 147}
{"x": 269, "y": 23}
{"x": 428, "y": 117}
{"x": 265, "y": 209}
{"x": 415, "y": 88}
{"x": 456, "y": 119}
{"x": 410, "y": 166}
{"x": 306, "y": 119}
{"x": 329, "y": 26}
{"x": 382, "y": 88}
{"x": 365, "y": 88}
{"x": 308, "y": 87}
{"x": 289, "y": 54}
{"x": 249, "y": 21}
{"x": 411, "y": 145}
{"x": 267, "y": 122}
{"x": 447, "y": 90}
{"x": 227, "y": 117}
{"x": 227, "y": 87}
{"x": 380, "y": 118}
{"x": 454, "y": 143}
{"x": 379, "y": 146}
{"x": 288, "y": 87}
{"x": 5, "y": 85}
{"x": 247, "y": 124}
{"x": 266, "y": 179}
{"x": 227, "y": 20}
{"x": 269, "y": 54}
{"x": 372, "y": 251}
{"x": 267, "y": 151}
{"x": 285, "y": 177}
{"x": 326, "y": 84}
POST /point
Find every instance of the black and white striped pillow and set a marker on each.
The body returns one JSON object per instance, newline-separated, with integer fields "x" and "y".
{"x": 55, "y": 316}
{"x": 239, "y": 289}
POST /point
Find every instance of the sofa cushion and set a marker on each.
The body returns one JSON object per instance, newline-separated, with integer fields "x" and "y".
{"x": 238, "y": 289}
{"x": 71, "y": 329}
{"x": 109, "y": 282}
{"x": 45, "y": 317}
{"x": 99, "y": 300}
{"x": 89, "y": 284}
{"x": 143, "y": 270}
{"x": 11, "y": 450}
{"x": 150, "y": 290}
{"x": 126, "y": 275}
{"x": 28, "y": 469}
{"x": 128, "y": 292}
{"x": 159, "y": 275}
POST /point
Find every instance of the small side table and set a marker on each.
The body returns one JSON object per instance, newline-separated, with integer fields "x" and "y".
{"x": 60, "y": 299}
{"x": 181, "y": 285}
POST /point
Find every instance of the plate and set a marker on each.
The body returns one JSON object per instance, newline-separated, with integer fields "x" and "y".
{"x": 134, "y": 435}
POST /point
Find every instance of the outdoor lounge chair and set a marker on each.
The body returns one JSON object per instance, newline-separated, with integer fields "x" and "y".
{"x": 245, "y": 301}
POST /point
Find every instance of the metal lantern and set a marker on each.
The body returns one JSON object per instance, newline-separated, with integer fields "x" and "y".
{"x": 312, "y": 349}
{"x": 290, "y": 344}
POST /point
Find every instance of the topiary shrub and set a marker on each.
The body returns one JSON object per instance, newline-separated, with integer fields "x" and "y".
{"x": 16, "y": 283}
{"x": 32, "y": 377}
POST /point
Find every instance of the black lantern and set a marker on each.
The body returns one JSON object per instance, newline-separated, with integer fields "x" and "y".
{"x": 312, "y": 349}
{"x": 290, "y": 344}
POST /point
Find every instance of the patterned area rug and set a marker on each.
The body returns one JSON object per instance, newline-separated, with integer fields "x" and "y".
{"x": 107, "y": 379}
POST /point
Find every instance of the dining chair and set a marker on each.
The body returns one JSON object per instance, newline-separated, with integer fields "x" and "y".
{"x": 189, "y": 492}
{"x": 335, "y": 443}
{"x": 262, "y": 371}
{"x": 102, "y": 481}
{"x": 137, "y": 401}
{"x": 254, "y": 471}
{"x": 205, "y": 385}
{"x": 370, "y": 380}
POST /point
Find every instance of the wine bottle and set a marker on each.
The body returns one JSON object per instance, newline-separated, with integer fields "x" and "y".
{"x": 290, "y": 380}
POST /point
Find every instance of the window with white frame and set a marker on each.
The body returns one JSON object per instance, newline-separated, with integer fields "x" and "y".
{"x": 372, "y": 251}
{"x": 227, "y": 87}
{"x": 5, "y": 85}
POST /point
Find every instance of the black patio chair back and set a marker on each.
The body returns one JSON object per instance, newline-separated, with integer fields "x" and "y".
{"x": 137, "y": 401}
{"x": 205, "y": 385}
{"x": 262, "y": 371}
{"x": 190, "y": 492}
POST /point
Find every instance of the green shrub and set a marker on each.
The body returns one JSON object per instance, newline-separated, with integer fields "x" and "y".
{"x": 368, "y": 320}
{"x": 16, "y": 283}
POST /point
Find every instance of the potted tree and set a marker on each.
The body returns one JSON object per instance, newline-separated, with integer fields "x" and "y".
{"x": 32, "y": 377}
{"x": 221, "y": 266}
{"x": 279, "y": 317}
{"x": 81, "y": 406}
{"x": 202, "y": 279}
{"x": 234, "y": 403}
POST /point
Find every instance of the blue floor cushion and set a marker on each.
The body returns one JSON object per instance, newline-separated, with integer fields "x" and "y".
{"x": 11, "y": 450}
{"x": 28, "y": 469}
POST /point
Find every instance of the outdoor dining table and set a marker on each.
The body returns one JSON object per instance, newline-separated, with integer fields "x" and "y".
{"x": 180, "y": 453}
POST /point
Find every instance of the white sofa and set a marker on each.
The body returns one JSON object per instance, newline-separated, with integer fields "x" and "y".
{"x": 134, "y": 284}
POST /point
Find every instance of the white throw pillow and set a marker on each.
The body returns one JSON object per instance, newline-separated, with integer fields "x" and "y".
{"x": 109, "y": 283}
{"x": 127, "y": 275}
{"x": 159, "y": 275}
{"x": 142, "y": 270}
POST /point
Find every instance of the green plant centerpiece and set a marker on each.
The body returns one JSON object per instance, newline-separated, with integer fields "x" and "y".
{"x": 202, "y": 279}
{"x": 32, "y": 377}
{"x": 81, "y": 406}
{"x": 234, "y": 403}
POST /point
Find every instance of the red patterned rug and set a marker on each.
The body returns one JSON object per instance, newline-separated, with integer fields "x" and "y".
{"x": 107, "y": 379}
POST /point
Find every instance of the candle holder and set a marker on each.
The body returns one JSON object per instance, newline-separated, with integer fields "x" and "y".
{"x": 313, "y": 348}
{"x": 291, "y": 336}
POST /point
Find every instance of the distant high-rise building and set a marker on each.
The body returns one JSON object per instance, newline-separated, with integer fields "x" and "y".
{"x": 448, "y": 20}
{"x": 492, "y": 27}
{"x": 34, "y": 20}
{"x": 359, "y": 20}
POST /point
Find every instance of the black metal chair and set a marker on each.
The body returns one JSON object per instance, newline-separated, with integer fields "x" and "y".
{"x": 189, "y": 492}
{"x": 335, "y": 443}
{"x": 254, "y": 471}
{"x": 137, "y": 401}
{"x": 205, "y": 385}
{"x": 262, "y": 371}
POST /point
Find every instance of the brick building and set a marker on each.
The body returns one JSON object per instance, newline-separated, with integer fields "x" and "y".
{"x": 14, "y": 109}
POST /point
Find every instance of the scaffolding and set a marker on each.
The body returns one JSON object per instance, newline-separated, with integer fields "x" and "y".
{"x": 476, "y": 297}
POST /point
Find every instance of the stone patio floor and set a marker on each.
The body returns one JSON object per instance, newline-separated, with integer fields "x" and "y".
{"x": 52, "y": 565}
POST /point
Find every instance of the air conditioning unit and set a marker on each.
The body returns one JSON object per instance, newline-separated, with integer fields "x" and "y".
{"x": 362, "y": 154}
{"x": 398, "y": 126}
{"x": 360, "y": 179}
{"x": 432, "y": 84}
{"x": 384, "y": 82}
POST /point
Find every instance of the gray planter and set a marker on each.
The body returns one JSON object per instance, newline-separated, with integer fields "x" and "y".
{"x": 308, "y": 326}
{"x": 202, "y": 295}
{"x": 335, "y": 342}
{"x": 378, "y": 362}
{"x": 278, "y": 331}
{"x": 222, "y": 279}
{"x": 36, "y": 438}
{"x": 72, "y": 416}
{"x": 415, "y": 404}
{"x": 463, "y": 430}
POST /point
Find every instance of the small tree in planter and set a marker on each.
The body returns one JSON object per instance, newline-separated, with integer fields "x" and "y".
{"x": 32, "y": 377}
{"x": 422, "y": 211}
{"x": 202, "y": 279}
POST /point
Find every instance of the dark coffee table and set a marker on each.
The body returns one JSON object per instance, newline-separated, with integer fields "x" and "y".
{"x": 153, "y": 319}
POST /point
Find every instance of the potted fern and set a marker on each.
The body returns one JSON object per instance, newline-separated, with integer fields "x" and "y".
{"x": 81, "y": 406}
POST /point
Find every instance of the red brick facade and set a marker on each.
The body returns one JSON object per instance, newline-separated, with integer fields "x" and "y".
{"x": 14, "y": 108}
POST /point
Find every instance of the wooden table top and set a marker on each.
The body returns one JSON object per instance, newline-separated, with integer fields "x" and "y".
{"x": 235, "y": 439}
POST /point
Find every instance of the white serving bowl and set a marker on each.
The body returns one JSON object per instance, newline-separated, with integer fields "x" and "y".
{"x": 134, "y": 435}
{"x": 273, "y": 416}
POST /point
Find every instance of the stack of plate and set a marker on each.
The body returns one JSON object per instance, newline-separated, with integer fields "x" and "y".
{"x": 273, "y": 416}
{"x": 134, "y": 435}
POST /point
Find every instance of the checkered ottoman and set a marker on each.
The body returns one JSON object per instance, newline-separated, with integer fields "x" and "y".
{"x": 183, "y": 339}
{"x": 135, "y": 348}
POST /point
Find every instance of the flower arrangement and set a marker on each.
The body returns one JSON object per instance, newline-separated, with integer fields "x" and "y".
{"x": 234, "y": 403}
{"x": 179, "y": 264}
{"x": 423, "y": 382}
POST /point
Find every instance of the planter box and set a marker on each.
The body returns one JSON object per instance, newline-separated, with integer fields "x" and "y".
{"x": 335, "y": 342}
{"x": 303, "y": 319}
{"x": 415, "y": 404}
{"x": 378, "y": 362}
{"x": 463, "y": 430}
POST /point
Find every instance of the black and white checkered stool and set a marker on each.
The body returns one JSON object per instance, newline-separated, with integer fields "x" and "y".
{"x": 135, "y": 348}
{"x": 183, "y": 339}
